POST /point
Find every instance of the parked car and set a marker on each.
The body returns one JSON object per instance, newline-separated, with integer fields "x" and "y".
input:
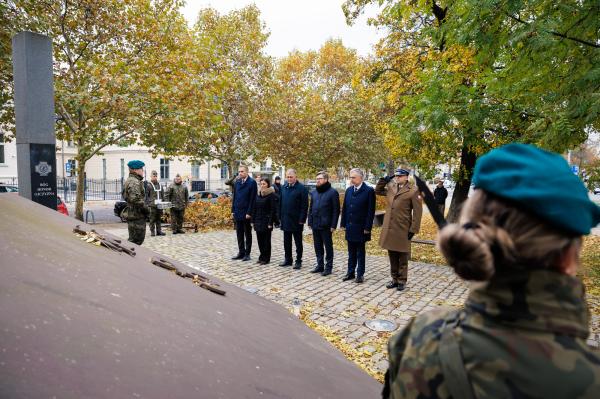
{"x": 210, "y": 196}
{"x": 61, "y": 206}
{"x": 7, "y": 188}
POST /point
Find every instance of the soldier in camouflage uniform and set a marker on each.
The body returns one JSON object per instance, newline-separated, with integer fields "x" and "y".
{"x": 154, "y": 192}
{"x": 178, "y": 195}
{"x": 523, "y": 329}
{"x": 135, "y": 195}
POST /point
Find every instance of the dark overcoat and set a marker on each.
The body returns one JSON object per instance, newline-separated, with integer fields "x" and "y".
{"x": 358, "y": 213}
{"x": 265, "y": 210}
{"x": 402, "y": 215}
{"x": 244, "y": 198}
{"x": 293, "y": 206}
{"x": 324, "y": 210}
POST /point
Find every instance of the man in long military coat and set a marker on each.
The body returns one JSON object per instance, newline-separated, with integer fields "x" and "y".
{"x": 401, "y": 222}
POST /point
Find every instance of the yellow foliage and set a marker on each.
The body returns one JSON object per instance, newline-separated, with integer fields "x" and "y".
{"x": 208, "y": 216}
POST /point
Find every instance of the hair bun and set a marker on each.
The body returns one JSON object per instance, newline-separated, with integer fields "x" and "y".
{"x": 467, "y": 250}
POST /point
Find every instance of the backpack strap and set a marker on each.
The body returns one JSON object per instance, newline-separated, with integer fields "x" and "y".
{"x": 453, "y": 368}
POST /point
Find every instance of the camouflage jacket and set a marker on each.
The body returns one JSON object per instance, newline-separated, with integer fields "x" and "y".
{"x": 134, "y": 194}
{"x": 154, "y": 192}
{"x": 178, "y": 195}
{"x": 521, "y": 336}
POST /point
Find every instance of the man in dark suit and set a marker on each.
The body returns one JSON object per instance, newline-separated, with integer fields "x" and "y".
{"x": 241, "y": 208}
{"x": 357, "y": 219}
{"x": 323, "y": 216}
{"x": 293, "y": 209}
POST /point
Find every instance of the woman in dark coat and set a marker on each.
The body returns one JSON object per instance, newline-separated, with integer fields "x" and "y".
{"x": 264, "y": 217}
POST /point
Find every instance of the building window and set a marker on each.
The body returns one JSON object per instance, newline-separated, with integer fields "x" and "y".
{"x": 104, "y": 168}
{"x": 2, "y": 148}
{"x": 164, "y": 168}
{"x": 224, "y": 171}
{"x": 122, "y": 168}
{"x": 195, "y": 170}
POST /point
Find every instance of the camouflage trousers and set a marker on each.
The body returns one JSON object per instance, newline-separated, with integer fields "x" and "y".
{"x": 177, "y": 219}
{"x": 137, "y": 230}
{"x": 155, "y": 220}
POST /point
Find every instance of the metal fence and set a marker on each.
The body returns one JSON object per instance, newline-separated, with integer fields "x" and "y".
{"x": 104, "y": 189}
{"x": 95, "y": 189}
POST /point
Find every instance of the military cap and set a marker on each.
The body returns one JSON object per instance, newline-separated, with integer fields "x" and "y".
{"x": 135, "y": 164}
{"x": 513, "y": 172}
{"x": 401, "y": 172}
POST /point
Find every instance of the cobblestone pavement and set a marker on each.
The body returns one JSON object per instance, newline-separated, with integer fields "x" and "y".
{"x": 342, "y": 306}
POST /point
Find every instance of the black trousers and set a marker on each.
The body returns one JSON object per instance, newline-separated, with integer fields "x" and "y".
{"x": 264, "y": 245}
{"x": 244, "y": 236}
{"x": 356, "y": 258}
{"x": 287, "y": 245}
{"x": 323, "y": 248}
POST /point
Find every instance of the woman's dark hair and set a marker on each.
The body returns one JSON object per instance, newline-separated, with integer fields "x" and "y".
{"x": 267, "y": 181}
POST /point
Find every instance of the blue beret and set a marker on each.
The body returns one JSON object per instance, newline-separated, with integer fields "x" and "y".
{"x": 515, "y": 172}
{"x": 401, "y": 172}
{"x": 135, "y": 164}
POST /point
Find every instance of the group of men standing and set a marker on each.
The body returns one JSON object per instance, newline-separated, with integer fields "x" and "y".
{"x": 142, "y": 199}
{"x": 401, "y": 221}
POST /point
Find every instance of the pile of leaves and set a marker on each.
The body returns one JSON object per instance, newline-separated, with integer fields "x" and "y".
{"x": 207, "y": 216}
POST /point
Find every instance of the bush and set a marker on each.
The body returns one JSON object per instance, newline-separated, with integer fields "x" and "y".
{"x": 208, "y": 216}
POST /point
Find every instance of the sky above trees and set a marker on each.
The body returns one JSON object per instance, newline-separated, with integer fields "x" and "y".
{"x": 300, "y": 25}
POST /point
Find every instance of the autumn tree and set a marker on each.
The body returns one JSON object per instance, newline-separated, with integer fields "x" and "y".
{"x": 320, "y": 115}
{"x": 228, "y": 76}
{"x": 487, "y": 74}
{"x": 109, "y": 58}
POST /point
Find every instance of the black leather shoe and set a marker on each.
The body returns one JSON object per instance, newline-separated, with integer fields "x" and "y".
{"x": 160, "y": 234}
{"x": 246, "y": 258}
{"x": 237, "y": 257}
{"x": 359, "y": 280}
{"x": 400, "y": 287}
{"x": 285, "y": 263}
{"x": 326, "y": 272}
{"x": 297, "y": 265}
{"x": 348, "y": 277}
{"x": 152, "y": 234}
{"x": 391, "y": 284}
{"x": 317, "y": 269}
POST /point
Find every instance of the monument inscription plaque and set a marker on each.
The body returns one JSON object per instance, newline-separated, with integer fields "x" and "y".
{"x": 43, "y": 174}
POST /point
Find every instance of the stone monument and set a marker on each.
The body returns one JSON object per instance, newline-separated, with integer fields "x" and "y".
{"x": 34, "y": 117}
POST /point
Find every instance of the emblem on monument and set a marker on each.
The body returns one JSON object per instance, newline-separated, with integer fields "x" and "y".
{"x": 43, "y": 168}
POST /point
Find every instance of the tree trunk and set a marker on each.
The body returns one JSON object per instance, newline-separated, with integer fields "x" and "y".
{"x": 80, "y": 188}
{"x": 390, "y": 167}
{"x": 463, "y": 184}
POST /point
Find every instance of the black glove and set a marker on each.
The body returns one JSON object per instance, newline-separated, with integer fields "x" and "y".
{"x": 410, "y": 235}
{"x": 388, "y": 178}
